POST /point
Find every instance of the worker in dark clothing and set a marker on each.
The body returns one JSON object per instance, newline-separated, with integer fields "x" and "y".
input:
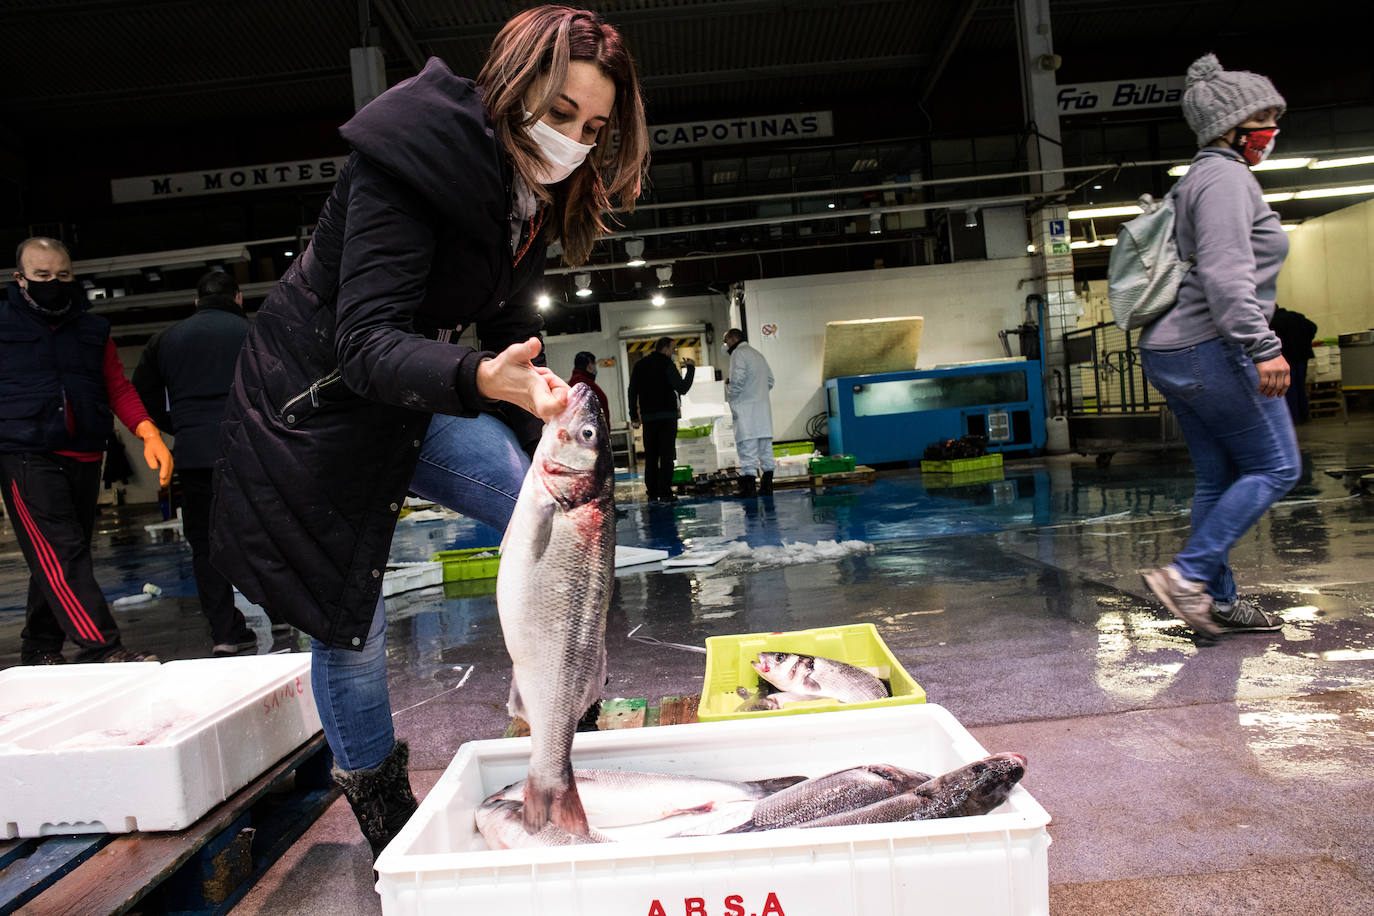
{"x": 1296, "y": 332}
{"x": 183, "y": 377}
{"x": 584, "y": 371}
{"x": 61, "y": 384}
{"x": 655, "y": 385}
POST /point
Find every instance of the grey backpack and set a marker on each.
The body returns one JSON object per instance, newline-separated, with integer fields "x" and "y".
{"x": 1145, "y": 270}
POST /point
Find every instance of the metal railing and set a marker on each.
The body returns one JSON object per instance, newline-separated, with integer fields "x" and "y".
{"x": 1105, "y": 375}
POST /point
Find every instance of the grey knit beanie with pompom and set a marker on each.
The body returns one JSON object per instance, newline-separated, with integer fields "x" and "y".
{"x": 1217, "y": 100}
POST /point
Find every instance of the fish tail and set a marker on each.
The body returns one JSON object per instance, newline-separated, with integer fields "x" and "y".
{"x": 769, "y": 786}
{"x": 559, "y": 804}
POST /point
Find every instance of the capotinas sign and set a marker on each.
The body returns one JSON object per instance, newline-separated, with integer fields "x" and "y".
{"x": 1120, "y": 95}
{"x": 800, "y": 125}
{"x": 226, "y": 180}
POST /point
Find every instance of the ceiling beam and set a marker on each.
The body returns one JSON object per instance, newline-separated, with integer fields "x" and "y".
{"x": 948, "y": 47}
{"x": 400, "y": 31}
{"x": 783, "y": 71}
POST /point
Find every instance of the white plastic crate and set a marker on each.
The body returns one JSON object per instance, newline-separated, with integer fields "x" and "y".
{"x": 992, "y": 864}
{"x": 407, "y": 577}
{"x": 154, "y": 752}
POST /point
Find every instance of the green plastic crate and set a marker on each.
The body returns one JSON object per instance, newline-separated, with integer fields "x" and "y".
{"x": 470, "y": 563}
{"x": 963, "y": 465}
{"x": 682, "y": 473}
{"x": 803, "y": 447}
{"x": 693, "y": 432}
{"x": 832, "y": 464}
{"x": 728, "y": 667}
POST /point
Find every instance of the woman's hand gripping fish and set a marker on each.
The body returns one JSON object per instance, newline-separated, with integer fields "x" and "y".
{"x": 552, "y": 591}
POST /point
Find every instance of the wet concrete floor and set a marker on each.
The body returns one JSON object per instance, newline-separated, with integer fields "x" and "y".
{"x": 1182, "y": 777}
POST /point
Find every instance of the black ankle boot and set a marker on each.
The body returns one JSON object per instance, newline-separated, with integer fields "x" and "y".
{"x": 766, "y": 486}
{"x": 380, "y": 797}
{"x": 748, "y": 486}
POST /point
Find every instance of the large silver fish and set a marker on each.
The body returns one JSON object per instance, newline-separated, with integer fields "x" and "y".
{"x": 502, "y": 826}
{"x": 975, "y": 788}
{"x": 620, "y": 798}
{"x": 843, "y": 790}
{"x": 552, "y": 590}
{"x": 814, "y": 676}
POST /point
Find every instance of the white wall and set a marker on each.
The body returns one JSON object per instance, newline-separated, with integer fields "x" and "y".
{"x": 964, "y": 306}
{"x": 618, "y": 316}
{"x": 1329, "y": 274}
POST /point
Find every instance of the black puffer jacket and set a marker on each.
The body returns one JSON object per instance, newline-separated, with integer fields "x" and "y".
{"x": 349, "y": 355}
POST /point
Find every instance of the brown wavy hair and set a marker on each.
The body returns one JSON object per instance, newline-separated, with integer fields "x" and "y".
{"x": 539, "y": 43}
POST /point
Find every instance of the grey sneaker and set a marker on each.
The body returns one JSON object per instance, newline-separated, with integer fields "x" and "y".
{"x": 1186, "y": 600}
{"x": 1242, "y": 616}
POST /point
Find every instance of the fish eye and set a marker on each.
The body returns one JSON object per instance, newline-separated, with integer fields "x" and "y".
{"x": 588, "y": 433}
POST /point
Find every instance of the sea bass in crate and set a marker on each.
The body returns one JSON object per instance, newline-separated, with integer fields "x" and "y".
{"x": 972, "y": 789}
{"x": 619, "y": 798}
{"x": 814, "y": 676}
{"x": 833, "y": 793}
{"x": 552, "y": 590}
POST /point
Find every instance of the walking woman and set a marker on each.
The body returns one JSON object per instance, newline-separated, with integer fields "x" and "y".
{"x": 1214, "y": 357}
{"x": 439, "y": 220}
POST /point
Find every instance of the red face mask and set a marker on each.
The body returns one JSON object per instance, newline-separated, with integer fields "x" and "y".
{"x": 1255, "y": 143}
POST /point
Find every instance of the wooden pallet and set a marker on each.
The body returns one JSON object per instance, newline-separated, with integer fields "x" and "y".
{"x": 1326, "y": 399}
{"x": 630, "y": 713}
{"x": 204, "y": 869}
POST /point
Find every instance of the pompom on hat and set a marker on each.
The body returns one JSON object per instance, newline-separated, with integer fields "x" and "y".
{"x": 1217, "y": 100}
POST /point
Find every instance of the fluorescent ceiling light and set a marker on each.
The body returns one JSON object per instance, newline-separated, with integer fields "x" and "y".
{"x": 1278, "y": 197}
{"x": 1107, "y": 242}
{"x": 1290, "y": 227}
{"x": 1179, "y": 171}
{"x": 1271, "y": 165}
{"x": 1336, "y": 192}
{"x": 1342, "y": 163}
{"x": 1128, "y": 210}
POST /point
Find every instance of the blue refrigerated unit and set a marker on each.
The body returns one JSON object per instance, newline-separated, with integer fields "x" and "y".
{"x": 893, "y": 416}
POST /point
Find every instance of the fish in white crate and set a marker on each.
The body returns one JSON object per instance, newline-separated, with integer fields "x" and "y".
{"x": 834, "y": 793}
{"x": 552, "y": 591}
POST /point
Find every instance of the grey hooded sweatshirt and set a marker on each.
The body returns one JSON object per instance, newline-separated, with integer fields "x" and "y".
{"x": 1240, "y": 246}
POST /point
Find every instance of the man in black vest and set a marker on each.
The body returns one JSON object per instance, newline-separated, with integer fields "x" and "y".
{"x": 61, "y": 385}
{"x": 183, "y": 377}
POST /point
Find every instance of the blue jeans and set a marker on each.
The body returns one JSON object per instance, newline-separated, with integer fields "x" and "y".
{"x": 1244, "y": 451}
{"x": 471, "y": 465}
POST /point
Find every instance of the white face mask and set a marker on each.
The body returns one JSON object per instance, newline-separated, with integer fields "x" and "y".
{"x": 563, "y": 155}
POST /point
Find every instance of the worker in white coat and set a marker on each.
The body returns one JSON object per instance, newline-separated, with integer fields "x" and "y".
{"x": 746, "y": 390}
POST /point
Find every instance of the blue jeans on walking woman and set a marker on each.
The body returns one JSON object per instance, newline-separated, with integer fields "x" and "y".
{"x": 1244, "y": 451}
{"x": 471, "y": 465}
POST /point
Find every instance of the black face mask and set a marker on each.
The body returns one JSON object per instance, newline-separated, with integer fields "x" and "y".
{"x": 53, "y": 298}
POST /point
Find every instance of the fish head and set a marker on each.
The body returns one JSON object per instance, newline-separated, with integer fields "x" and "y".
{"x": 787, "y": 671}
{"x": 993, "y": 779}
{"x": 573, "y": 460}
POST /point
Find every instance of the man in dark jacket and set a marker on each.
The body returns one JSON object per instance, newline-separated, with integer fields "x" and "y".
{"x": 584, "y": 371}
{"x": 61, "y": 385}
{"x": 655, "y": 386}
{"x": 1296, "y": 332}
{"x": 184, "y": 377}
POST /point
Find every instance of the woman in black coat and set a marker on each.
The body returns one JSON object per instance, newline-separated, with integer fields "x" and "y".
{"x": 438, "y": 221}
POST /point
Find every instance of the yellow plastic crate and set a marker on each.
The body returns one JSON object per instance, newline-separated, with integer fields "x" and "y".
{"x": 468, "y": 564}
{"x": 963, "y": 465}
{"x": 728, "y": 667}
{"x": 934, "y": 480}
{"x": 802, "y": 447}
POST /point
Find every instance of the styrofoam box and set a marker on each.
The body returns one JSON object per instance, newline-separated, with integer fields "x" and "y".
{"x": 44, "y": 692}
{"x": 991, "y": 864}
{"x": 153, "y": 752}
